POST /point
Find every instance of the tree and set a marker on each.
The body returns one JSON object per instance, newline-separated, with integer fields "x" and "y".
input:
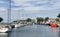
{"x": 57, "y": 19}
{"x": 58, "y": 15}
{"x": 28, "y": 19}
{"x": 1, "y": 19}
{"x": 39, "y": 19}
{"x": 46, "y": 18}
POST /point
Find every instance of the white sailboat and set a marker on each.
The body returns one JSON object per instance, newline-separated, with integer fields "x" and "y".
{"x": 3, "y": 29}
{"x": 18, "y": 25}
{"x": 58, "y": 24}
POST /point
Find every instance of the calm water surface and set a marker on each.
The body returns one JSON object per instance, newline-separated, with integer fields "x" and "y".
{"x": 33, "y": 31}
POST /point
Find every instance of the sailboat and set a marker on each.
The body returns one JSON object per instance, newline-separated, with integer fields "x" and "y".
{"x": 3, "y": 29}
{"x": 19, "y": 25}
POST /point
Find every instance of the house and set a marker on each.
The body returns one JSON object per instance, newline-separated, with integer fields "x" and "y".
{"x": 52, "y": 20}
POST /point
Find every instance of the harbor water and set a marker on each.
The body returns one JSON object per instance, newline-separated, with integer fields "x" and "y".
{"x": 33, "y": 31}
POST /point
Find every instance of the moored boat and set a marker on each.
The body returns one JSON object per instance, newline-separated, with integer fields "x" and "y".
{"x": 18, "y": 25}
{"x": 58, "y": 24}
{"x": 3, "y": 29}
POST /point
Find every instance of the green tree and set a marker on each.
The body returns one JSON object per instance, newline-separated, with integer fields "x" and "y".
{"x": 1, "y": 19}
{"x": 58, "y": 15}
{"x": 46, "y": 18}
{"x": 57, "y": 19}
{"x": 28, "y": 19}
{"x": 39, "y": 19}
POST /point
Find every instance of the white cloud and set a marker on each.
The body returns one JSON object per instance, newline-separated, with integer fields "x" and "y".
{"x": 56, "y": 5}
{"x": 2, "y": 9}
{"x": 30, "y": 7}
{"x": 34, "y": 8}
{"x": 1, "y": 1}
{"x": 21, "y": 2}
{"x": 18, "y": 2}
{"x": 14, "y": 4}
{"x": 27, "y": 5}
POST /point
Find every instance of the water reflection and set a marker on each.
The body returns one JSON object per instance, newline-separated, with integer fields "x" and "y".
{"x": 54, "y": 29}
{"x": 35, "y": 31}
{"x": 3, "y": 34}
{"x": 59, "y": 32}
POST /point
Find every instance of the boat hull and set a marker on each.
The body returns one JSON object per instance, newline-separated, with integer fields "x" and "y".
{"x": 3, "y": 30}
{"x": 19, "y": 25}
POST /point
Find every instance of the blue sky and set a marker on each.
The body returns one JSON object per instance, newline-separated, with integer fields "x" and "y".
{"x": 21, "y": 9}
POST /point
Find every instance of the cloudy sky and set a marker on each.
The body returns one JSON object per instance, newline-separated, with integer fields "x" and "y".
{"x": 21, "y": 9}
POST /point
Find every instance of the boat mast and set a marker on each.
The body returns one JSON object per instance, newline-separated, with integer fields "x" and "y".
{"x": 9, "y": 13}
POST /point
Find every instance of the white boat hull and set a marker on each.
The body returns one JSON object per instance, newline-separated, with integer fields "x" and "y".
{"x": 4, "y": 30}
{"x": 19, "y": 25}
{"x": 58, "y": 24}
